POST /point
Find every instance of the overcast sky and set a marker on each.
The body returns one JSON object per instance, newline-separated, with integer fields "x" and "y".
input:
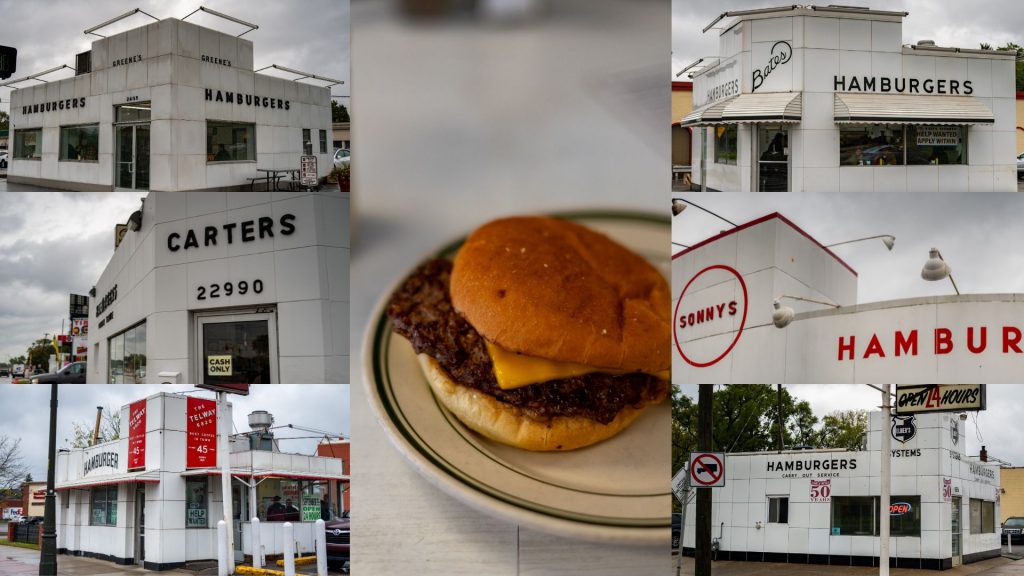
{"x": 959, "y": 24}
{"x": 995, "y": 428}
{"x": 322, "y": 407}
{"x": 52, "y": 244}
{"x": 311, "y": 36}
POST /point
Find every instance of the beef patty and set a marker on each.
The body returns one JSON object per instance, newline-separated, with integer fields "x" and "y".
{"x": 421, "y": 311}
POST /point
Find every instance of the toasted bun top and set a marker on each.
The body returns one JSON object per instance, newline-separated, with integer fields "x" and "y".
{"x": 554, "y": 289}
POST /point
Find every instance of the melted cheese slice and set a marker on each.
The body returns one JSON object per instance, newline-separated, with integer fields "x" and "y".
{"x": 517, "y": 370}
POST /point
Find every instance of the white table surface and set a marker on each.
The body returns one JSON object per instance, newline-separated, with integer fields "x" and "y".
{"x": 450, "y": 130}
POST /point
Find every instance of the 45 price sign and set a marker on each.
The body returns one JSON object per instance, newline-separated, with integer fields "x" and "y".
{"x": 201, "y": 433}
{"x": 137, "y": 435}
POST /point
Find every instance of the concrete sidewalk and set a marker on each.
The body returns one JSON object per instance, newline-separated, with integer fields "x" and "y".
{"x": 992, "y": 567}
{"x": 24, "y": 562}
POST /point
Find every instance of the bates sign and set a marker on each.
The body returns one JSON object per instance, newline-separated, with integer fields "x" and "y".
{"x": 710, "y": 315}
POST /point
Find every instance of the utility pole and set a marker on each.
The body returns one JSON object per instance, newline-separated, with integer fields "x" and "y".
{"x": 48, "y": 555}
{"x": 702, "y": 543}
{"x": 782, "y": 418}
{"x": 886, "y": 483}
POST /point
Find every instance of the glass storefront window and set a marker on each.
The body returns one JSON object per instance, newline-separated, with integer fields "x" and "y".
{"x": 248, "y": 345}
{"x": 127, "y": 361}
{"x": 141, "y": 112}
{"x": 280, "y": 500}
{"x": 874, "y": 145}
{"x": 988, "y": 517}
{"x": 905, "y": 515}
{"x": 975, "y": 516}
{"x": 28, "y": 144}
{"x": 196, "y": 499}
{"x": 80, "y": 143}
{"x": 323, "y": 141}
{"x": 853, "y": 516}
{"x": 103, "y": 506}
{"x": 230, "y": 141}
{"x": 307, "y": 142}
{"x": 936, "y": 145}
{"x": 726, "y": 138}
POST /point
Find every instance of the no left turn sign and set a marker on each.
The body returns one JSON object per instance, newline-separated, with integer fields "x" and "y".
{"x": 707, "y": 469}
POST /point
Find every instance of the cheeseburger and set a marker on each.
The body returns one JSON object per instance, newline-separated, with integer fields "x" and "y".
{"x": 542, "y": 334}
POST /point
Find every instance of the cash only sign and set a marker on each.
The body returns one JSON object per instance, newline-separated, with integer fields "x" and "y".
{"x": 925, "y": 398}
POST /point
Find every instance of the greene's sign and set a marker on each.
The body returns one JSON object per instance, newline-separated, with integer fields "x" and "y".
{"x": 939, "y": 398}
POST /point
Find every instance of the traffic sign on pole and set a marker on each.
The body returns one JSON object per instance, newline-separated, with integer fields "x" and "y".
{"x": 707, "y": 469}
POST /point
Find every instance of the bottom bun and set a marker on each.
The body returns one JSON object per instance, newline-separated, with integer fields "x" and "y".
{"x": 506, "y": 423}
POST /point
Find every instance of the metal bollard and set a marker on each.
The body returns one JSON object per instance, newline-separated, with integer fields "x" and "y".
{"x": 257, "y": 545}
{"x": 289, "y": 549}
{"x": 222, "y": 549}
{"x": 320, "y": 533}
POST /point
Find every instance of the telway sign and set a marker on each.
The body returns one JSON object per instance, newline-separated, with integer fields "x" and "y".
{"x": 707, "y": 469}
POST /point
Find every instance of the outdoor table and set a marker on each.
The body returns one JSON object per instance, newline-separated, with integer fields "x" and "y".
{"x": 276, "y": 174}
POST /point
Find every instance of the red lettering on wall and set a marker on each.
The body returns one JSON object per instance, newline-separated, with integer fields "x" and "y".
{"x": 943, "y": 341}
{"x": 1011, "y": 339}
{"x": 905, "y": 344}
{"x": 977, "y": 349}
{"x": 874, "y": 347}
{"x": 843, "y": 347}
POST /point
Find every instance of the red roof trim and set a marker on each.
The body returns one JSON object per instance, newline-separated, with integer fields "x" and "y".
{"x": 688, "y": 87}
{"x": 755, "y": 223}
{"x": 1020, "y": 95}
{"x": 129, "y": 481}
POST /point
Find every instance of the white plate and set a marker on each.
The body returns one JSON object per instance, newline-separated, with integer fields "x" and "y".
{"x": 615, "y": 491}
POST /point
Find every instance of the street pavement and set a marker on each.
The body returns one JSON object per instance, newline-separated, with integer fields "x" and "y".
{"x": 991, "y": 567}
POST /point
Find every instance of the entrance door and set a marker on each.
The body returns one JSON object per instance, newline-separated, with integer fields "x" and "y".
{"x": 133, "y": 157}
{"x": 237, "y": 348}
{"x": 237, "y": 511}
{"x": 772, "y": 153}
{"x": 956, "y": 527}
{"x": 140, "y": 524}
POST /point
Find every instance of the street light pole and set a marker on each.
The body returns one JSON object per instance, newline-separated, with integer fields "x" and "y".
{"x": 886, "y": 481}
{"x": 48, "y": 555}
{"x": 702, "y": 542}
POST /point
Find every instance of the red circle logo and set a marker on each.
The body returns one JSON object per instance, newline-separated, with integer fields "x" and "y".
{"x": 678, "y": 321}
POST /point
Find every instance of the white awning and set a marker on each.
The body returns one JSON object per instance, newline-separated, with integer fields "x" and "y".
{"x": 873, "y": 108}
{"x": 286, "y": 474}
{"x": 772, "y": 107}
{"x": 150, "y": 477}
{"x": 749, "y": 108}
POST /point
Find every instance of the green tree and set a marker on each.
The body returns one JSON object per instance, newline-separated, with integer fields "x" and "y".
{"x": 18, "y": 360}
{"x": 5, "y": 120}
{"x": 1012, "y": 47}
{"x": 338, "y": 112}
{"x": 110, "y": 429}
{"x": 843, "y": 429}
{"x": 39, "y": 353}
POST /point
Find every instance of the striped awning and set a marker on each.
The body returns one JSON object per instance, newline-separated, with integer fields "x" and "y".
{"x": 147, "y": 477}
{"x": 873, "y": 108}
{"x": 749, "y": 108}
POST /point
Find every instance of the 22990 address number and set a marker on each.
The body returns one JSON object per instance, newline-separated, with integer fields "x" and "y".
{"x": 229, "y": 289}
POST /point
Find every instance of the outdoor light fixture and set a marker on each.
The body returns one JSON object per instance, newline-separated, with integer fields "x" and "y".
{"x": 135, "y": 221}
{"x": 936, "y": 269}
{"x": 678, "y": 206}
{"x": 888, "y": 239}
{"x": 783, "y": 315}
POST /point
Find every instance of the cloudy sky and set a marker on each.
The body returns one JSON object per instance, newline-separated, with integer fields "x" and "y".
{"x": 322, "y": 407}
{"x": 52, "y": 244}
{"x": 312, "y": 35}
{"x": 960, "y": 24}
{"x": 995, "y": 428}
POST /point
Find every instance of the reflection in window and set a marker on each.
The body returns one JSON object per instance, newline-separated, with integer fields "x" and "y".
{"x": 196, "y": 498}
{"x": 853, "y": 516}
{"x": 103, "y": 506}
{"x": 725, "y": 143}
{"x": 778, "y": 510}
{"x": 127, "y": 362}
{"x": 28, "y": 144}
{"x": 874, "y": 145}
{"x": 281, "y": 500}
{"x": 307, "y": 142}
{"x": 323, "y": 141}
{"x": 230, "y": 141}
{"x": 248, "y": 345}
{"x": 80, "y": 143}
{"x": 936, "y": 145}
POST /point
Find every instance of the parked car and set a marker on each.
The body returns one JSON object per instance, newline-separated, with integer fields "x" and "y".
{"x": 1012, "y": 528}
{"x": 5, "y": 372}
{"x": 73, "y": 373}
{"x": 341, "y": 157}
{"x": 1020, "y": 167}
{"x": 18, "y": 371}
{"x": 3, "y": 160}
{"x": 338, "y": 537}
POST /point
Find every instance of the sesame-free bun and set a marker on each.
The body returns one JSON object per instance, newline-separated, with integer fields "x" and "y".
{"x": 506, "y": 424}
{"x": 556, "y": 290}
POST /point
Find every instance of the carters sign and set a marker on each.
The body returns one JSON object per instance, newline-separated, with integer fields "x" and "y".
{"x": 710, "y": 315}
{"x": 940, "y": 398}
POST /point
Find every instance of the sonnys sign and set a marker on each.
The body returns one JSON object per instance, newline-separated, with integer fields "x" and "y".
{"x": 940, "y": 398}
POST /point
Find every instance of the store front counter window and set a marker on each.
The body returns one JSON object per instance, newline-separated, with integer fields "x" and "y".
{"x": 128, "y": 356}
{"x": 28, "y": 144}
{"x": 726, "y": 139}
{"x": 898, "y": 145}
{"x": 281, "y": 500}
{"x": 859, "y": 516}
{"x": 103, "y": 506}
{"x": 80, "y": 143}
{"x": 196, "y": 503}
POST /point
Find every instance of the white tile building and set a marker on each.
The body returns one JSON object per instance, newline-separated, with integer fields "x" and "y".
{"x": 150, "y": 108}
{"x": 821, "y": 506}
{"x": 248, "y": 287}
{"x": 829, "y": 98}
{"x": 139, "y": 517}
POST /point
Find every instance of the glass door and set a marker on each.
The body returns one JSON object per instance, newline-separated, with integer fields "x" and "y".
{"x": 125, "y": 157}
{"x": 956, "y": 527}
{"x": 131, "y": 143}
{"x": 237, "y": 348}
{"x": 141, "y": 157}
{"x": 772, "y": 155}
{"x": 140, "y": 524}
